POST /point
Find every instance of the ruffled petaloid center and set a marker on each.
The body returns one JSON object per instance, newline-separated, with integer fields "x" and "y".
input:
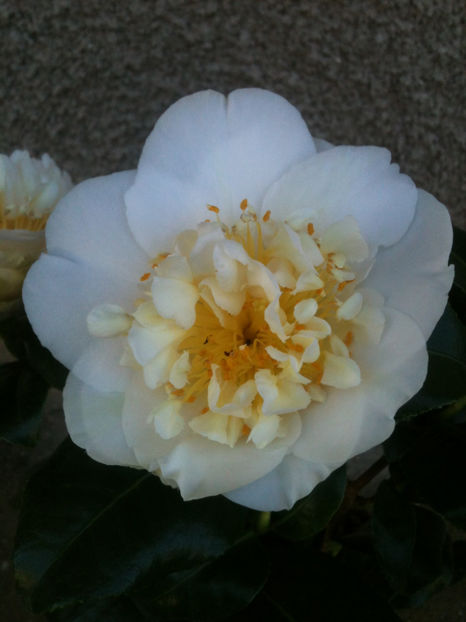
{"x": 29, "y": 190}
{"x": 242, "y": 326}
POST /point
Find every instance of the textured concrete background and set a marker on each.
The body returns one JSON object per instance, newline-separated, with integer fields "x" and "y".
{"x": 85, "y": 81}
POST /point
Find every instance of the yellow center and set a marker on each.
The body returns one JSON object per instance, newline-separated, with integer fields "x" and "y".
{"x": 14, "y": 219}
{"x": 238, "y": 346}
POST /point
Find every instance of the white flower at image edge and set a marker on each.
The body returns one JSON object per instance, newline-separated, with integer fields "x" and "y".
{"x": 29, "y": 190}
{"x": 247, "y": 310}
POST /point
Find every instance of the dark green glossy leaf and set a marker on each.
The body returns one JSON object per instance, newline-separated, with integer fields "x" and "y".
{"x": 312, "y": 514}
{"x": 433, "y": 464}
{"x": 306, "y": 585}
{"x": 89, "y": 531}
{"x": 446, "y": 377}
{"x": 458, "y": 258}
{"x": 431, "y": 565}
{"x": 449, "y": 336}
{"x": 403, "y": 439}
{"x": 111, "y": 610}
{"x": 23, "y": 393}
{"x": 21, "y": 341}
{"x": 210, "y": 591}
{"x": 394, "y": 529}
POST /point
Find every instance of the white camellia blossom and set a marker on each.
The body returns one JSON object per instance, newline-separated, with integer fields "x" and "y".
{"x": 29, "y": 190}
{"x": 246, "y": 311}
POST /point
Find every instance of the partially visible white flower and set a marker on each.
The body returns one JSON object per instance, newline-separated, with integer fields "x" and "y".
{"x": 246, "y": 312}
{"x": 29, "y": 190}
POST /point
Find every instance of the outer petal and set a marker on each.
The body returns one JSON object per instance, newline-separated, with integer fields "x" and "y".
{"x": 93, "y": 420}
{"x": 202, "y": 468}
{"x": 89, "y": 226}
{"x": 138, "y": 428}
{"x": 413, "y": 274}
{"x": 99, "y": 365}
{"x": 58, "y": 294}
{"x": 354, "y": 420}
{"x": 209, "y": 149}
{"x": 355, "y": 181}
{"x": 279, "y": 490}
{"x": 199, "y": 467}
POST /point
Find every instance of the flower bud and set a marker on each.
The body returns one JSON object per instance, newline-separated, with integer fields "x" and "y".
{"x": 29, "y": 190}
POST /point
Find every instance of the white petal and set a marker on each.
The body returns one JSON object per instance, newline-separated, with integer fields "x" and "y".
{"x": 158, "y": 370}
{"x": 317, "y": 327}
{"x": 202, "y": 468}
{"x": 305, "y": 310}
{"x": 175, "y": 267}
{"x": 58, "y": 295}
{"x": 229, "y": 259}
{"x": 317, "y": 393}
{"x": 338, "y": 346}
{"x": 138, "y": 427}
{"x": 259, "y": 276}
{"x": 344, "y": 237}
{"x": 179, "y": 371}
{"x": 369, "y": 324}
{"x": 282, "y": 271}
{"x": 210, "y": 149}
{"x": 108, "y": 320}
{"x": 217, "y": 427}
{"x": 265, "y": 431}
{"x": 355, "y": 181}
{"x": 175, "y": 300}
{"x": 279, "y": 396}
{"x": 146, "y": 343}
{"x": 279, "y": 490}
{"x": 232, "y": 302}
{"x": 233, "y": 397}
{"x": 413, "y": 274}
{"x": 89, "y": 225}
{"x": 99, "y": 365}
{"x": 308, "y": 281}
{"x": 350, "y": 422}
{"x": 340, "y": 372}
{"x": 310, "y": 343}
{"x": 350, "y": 308}
{"x": 93, "y": 420}
{"x": 168, "y": 423}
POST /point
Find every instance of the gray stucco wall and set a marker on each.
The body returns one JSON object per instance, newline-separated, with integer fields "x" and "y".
{"x": 85, "y": 80}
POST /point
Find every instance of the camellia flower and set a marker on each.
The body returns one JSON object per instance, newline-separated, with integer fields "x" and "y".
{"x": 246, "y": 311}
{"x": 29, "y": 190}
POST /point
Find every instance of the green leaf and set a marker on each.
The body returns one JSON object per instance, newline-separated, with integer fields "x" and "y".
{"x": 23, "y": 394}
{"x": 433, "y": 464}
{"x": 108, "y": 610}
{"x": 446, "y": 376}
{"x": 307, "y": 585}
{"x": 89, "y": 531}
{"x": 458, "y": 258}
{"x": 21, "y": 341}
{"x": 431, "y": 565}
{"x": 210, "y": 591}
{"x": 394, "y": 531}
{"x": 312, "y": 514}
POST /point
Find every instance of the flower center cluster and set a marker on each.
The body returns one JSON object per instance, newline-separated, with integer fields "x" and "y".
{"x": 241, "y": 327}
{"x": 20, "y": 219}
